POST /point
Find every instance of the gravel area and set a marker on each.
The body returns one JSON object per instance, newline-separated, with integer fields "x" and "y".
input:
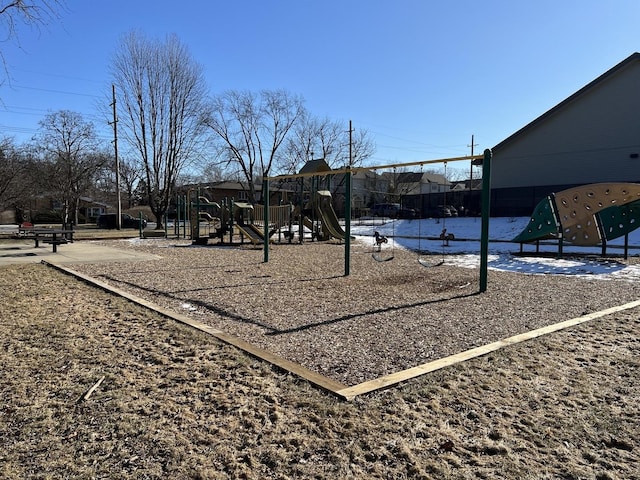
{"x": 382, "y": 318}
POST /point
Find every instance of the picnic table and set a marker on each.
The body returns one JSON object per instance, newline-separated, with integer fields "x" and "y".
{"x": 52, "y": 236}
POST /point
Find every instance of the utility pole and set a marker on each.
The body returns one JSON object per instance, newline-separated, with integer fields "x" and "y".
{"x": 117, "y": 166}
{"x": 471, "y": 167}
{"x": 350, "y": 144}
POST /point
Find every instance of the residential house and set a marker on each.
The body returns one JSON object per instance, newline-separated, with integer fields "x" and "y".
{"x": 409, "y": 183}
{"x": 91, "y": 209}
{"x": 420, "y": 191}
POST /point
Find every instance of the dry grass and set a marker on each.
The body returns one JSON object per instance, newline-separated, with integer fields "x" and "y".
{"x": 176, "y": 403}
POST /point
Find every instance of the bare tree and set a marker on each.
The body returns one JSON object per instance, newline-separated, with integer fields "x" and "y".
{"x": 251, "y": 129}
{"x": 301, "y": 146}
{"x": 327, "y": 139}
{"x": 72, "y": 157}
{"x": 130, "y": 175}
{"x": 15, "y": 180}
{"x": 362, "y": 147}
{"x": 161, "y": 99}
{"x": 214, "y": 171}
{"x": 32, "y": 13}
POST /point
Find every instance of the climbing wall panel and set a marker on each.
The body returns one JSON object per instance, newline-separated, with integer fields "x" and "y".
{"x": 542, "y": 224}
{"x": 619, "y": 220}
{"x": 577, "y": 208}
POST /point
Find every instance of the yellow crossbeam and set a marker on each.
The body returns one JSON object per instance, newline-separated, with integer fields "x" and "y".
{"x": 375, "y": 167}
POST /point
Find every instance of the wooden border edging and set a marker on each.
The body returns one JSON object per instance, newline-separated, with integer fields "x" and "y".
{"x": 327, "y": 384}
{"x": 397, "y": 377}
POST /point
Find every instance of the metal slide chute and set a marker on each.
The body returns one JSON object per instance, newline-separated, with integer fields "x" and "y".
{"x": 253, "y": 234}
{"x": 327, "y": 215}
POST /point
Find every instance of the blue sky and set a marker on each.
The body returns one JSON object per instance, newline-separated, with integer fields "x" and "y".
{"x": 421, "y": 76}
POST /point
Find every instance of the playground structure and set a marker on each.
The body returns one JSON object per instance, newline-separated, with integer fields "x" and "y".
{"x": 207, "y": 219}
{"x": 281, "y": 224}
{"x": 320, "y": 217}
{"x": 228, "y": 219}
{"x": 222, "y": 221}
{"x": 588, "y": 215}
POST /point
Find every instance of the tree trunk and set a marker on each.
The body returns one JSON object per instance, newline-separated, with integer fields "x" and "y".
{"x": 159, "y": 213}
{"x": 76, "y": 210}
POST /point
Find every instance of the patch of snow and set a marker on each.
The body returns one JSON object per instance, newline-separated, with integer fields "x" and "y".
{"x": 465, "y": 250}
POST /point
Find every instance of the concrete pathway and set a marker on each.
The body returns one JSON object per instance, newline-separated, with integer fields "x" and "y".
{"x": 76, "y": 252}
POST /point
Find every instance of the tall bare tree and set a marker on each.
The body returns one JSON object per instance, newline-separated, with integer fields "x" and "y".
{"x": 15, "y": 181}
{"x": 251, "y": 129}
{"x": 214, "y": 172}
{"x": 72, "y": 157}
{"x": 130, "y": 175}
{"x": 32, "y": 13}
{"x": 161, "y": 95}
{"x": 327, "y": 139}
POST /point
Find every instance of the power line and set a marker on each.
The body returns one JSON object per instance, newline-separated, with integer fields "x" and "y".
{"x": 24, "y": 87}
{"x": 6, "y": 128}
{"x": 57, "y": 75}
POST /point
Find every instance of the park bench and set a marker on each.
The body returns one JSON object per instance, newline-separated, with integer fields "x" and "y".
{"x": 51, "y": 236}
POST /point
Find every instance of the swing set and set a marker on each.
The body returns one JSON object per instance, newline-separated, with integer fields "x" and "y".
{"x": 379, "y": 239}
{"x": 425, "y": 261}
{"x": 422, "y": 260}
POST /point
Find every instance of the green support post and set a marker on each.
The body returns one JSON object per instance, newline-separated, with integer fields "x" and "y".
{"x": 347, "y": 224}
{"x": 197, "y": 215}
{"x": 313, "y": 200}
{"x": 265, "y": 195}
{"x": 182, "y": 224}
{"x": 230, "y": 219}
{"x": 486, "y": 207}
{"x": 301, "y": 219}
{"x": 176, "y": 223}
{"x": 185, "y": 215}
{"x": 626, "y": 245}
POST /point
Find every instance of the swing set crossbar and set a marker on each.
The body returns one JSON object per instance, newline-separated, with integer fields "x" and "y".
{"x": 373, "y": 167}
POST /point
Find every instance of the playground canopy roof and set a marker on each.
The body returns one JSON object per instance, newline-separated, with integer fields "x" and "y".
{"x": 315, "y": 166}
